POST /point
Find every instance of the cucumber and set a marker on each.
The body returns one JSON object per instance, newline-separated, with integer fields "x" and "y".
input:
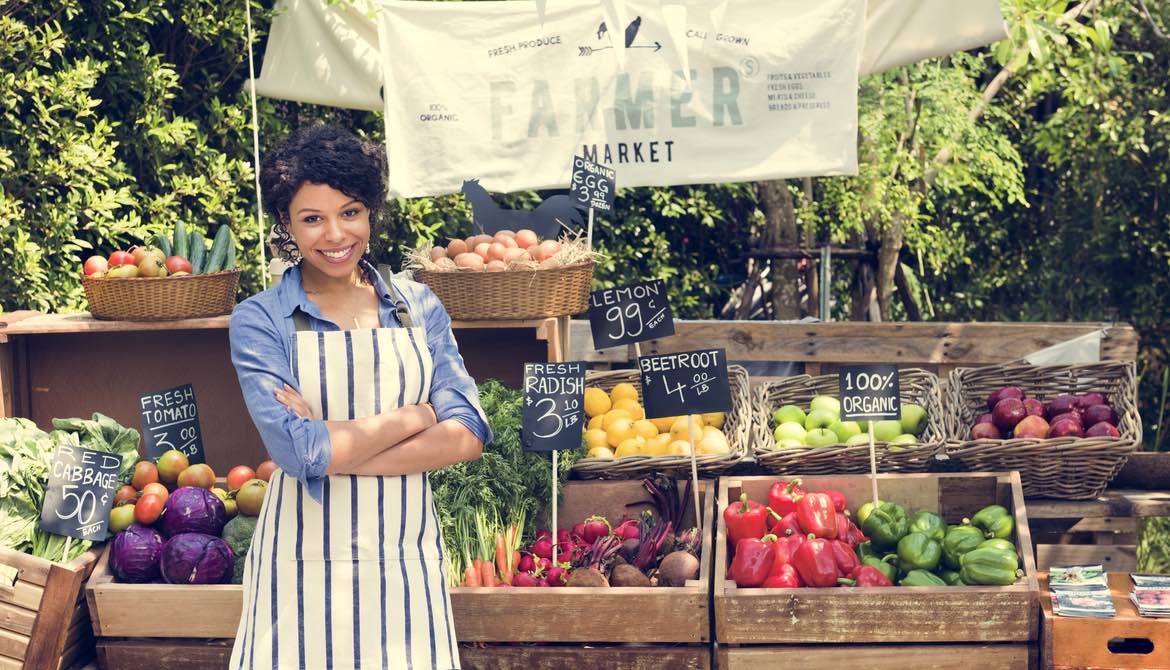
{"x": 219, "y": 247}
{"x": 180, "y": 240}
{"x": 198, "y": 249}
{"x": 163, "y": 242}
{"x": 229, "y": 263}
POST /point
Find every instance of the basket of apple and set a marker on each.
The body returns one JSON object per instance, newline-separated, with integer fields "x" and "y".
{"x": 183, "y": 275}
{"x": 797, "y": 427}
{"x": 1068, "y": 429}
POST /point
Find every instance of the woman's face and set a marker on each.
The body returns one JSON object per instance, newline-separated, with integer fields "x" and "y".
{"x": 330, "y": 228}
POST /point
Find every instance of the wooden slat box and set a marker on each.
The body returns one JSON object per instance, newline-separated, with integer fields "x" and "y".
{"x": 1084, "y": 643}
{"x": 610, "y": 657}
{"x": 884, "y": 615}
{"x": 939, "y": 656}
{"x": 44, "y": 624}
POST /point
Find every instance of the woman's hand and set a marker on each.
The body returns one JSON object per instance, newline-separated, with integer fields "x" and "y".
{"x": 293, "y": 401}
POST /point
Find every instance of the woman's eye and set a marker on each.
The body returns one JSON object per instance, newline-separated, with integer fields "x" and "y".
{"x": 312, "y": 218}
{"x": 350, "y": 213}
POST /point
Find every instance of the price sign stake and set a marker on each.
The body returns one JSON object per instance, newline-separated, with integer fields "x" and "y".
{"x": 592, "y": 188}
{"x": 870, "y": 393}
{"x": 630, "y": 314}
{"x": 80, "y": 493}
{"x": 170, "y": 420}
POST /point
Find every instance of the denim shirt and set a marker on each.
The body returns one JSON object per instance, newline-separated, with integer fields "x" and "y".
{"x": 261, "y": 334}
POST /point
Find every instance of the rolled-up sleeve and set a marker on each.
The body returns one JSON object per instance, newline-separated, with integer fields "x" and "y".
{"x": 453, "y": 391}
{"x": 299, "y": 446}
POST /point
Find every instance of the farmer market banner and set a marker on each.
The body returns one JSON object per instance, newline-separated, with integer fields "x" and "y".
{"x": 478, "y": 89}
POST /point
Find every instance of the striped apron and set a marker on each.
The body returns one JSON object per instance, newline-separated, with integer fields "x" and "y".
{"x": 358, "y": 580}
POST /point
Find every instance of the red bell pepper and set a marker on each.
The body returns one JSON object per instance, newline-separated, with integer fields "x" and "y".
{"x": 785, "y": 549}
{"x": 784, "y": 526}
{"x": 753, "y": 561}
{"x": 867, "y": 575}
{"x": 815, "y": 562}
{"x": 782, "y": 496}
{"x": 838, "y": 499}
{"x": 817, "y": 515}
{"x": 783, "y": 577}
{"x": 854, "y": 535}
{"x": 842, "y": 526}
{"x": 745, "y": 519}
{"x": 846, "y": 559}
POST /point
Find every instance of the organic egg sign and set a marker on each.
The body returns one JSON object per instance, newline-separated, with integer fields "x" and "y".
{"x": 690, "y": 382}
{"x": 554, "y": 406}
{"x": 592, "y": 185}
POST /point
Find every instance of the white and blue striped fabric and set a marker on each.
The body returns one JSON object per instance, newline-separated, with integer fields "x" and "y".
{"x": 357, "y": 581}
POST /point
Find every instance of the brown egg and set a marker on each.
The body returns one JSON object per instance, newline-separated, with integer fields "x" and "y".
{"x": 513, "y": 255}
{"x": 508, "y": 242}
{"x": 456, "y": 247}
{"x": 482, "y": 249}
{"x": 470, "y": 261}
{"x": 526, "y": 238}
{"x": 437, "y": 253}
{"x": 496, "y": 266}
{"x": 496, "y": 251}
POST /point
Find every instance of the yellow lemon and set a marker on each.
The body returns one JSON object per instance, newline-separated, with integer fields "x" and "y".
{"x": 623, "y": 391}
{"x": 714, "y": 419}
{"x": 658, "y": 445}
{"x": 679, "y": 448}
{"x": 601, "y": 452}
{"x": 596, "y": 402}
{"x": 595, "y": 437}
{"x": 619, "y": 431}
{"x": 597, "y": 422}
{"x": 629, "y": 447}
{"x": 645, "y": 429}
{"x": 630, "y": 406}
{"x": 713, "y": 442}
{"x": 663, "y": 424}
{"x": 613, "y": 415}
{"x": 678, "y": 429}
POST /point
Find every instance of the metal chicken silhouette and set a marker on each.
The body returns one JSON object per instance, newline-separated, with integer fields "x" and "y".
{"x": 546, "y": 220}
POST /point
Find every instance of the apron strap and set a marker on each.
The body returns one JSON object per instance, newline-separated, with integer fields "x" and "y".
{"x": 401, "y": 309}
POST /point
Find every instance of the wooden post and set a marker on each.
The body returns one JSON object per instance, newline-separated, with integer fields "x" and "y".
{"x": 873, "y": 465}
{"x": 589, "y": 233}
{"x": 553, "y": 523}
{"x": 694, "y": 471}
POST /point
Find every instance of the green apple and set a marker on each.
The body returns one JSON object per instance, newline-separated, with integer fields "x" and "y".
{"x": 827, "y": 403}
{"x": 819, "y": 418}
{"x": 786, "y": 444}
{"x": 905, "y": 438}
{"x": 821, "y": 437}
{"x": 862, "y": 438}
{"x": 913, "y": 418}
{"x": 788, "y": 414}
{"x": 885, "y": 431}
{"x": 846, "y": 430}
{"x": 789, "y": 430}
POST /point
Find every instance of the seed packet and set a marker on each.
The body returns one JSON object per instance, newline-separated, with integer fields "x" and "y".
{"x": 1078, "y": 577}
{"x": 1093, "y": 604}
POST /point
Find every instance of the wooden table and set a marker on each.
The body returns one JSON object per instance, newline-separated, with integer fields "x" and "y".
{"x": 62, "y": 365}
{"x": 1111, "y": 521}
{"x": 1128, "y": 640}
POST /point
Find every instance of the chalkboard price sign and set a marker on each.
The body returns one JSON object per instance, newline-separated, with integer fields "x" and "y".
{"x": 691, "y": 382}
{"x": 593, "y": 185}
{"x": 170, "y": 420}
{"x": 629, "y": 314}
{"x": 554, "y": 406}
{"x": 80, "y": 492}
{"x": 869, "y": 392}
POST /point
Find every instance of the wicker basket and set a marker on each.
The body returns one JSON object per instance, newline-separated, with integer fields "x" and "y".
{"x": 917, "y": 386}
{"x": 737, "y": 427}
{"x": 1062, "y": 467}
{"x": 516, "y": 294}
{"x": 161, "y": 298}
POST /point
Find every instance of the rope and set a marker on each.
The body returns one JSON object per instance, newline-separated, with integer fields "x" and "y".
{"x": 256, "y": 148}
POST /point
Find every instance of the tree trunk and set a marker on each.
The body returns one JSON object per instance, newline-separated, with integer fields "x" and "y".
{"x": 913, "y": 312}
{"x": 780, "y": 215}
{"x": 887, "y": 265}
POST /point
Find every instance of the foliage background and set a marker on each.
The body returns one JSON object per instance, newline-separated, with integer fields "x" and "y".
{"x": 120, "y": 117}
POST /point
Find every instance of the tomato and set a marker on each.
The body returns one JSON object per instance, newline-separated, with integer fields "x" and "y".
{"x": 121, "y": 517}
{"x": 170, "y": 464}
{"x": 178, "y": 264}
{"x": 94, "y": 264}
{"x": 121, "y": 258}
{"x": 264, "y": 470}
{"x": 145, "y": 472}
{"x": 125, "y": 494}
{"x": 239, "y": 475}
{"x": 250, "y": 497}
{"x": 148, "y": 509}
{"x": 151, "y": 267}
{"x": 158, "y": 489}
{"x": 199, "y": 475}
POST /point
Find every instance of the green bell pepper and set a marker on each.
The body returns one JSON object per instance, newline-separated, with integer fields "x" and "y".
{"x": 917, "y": 551}
{"x": 886, "y": 567}
{"x": 998, "y": 543}
{"x": 990, "y": 566}
{"x": 951, "y": 577}
{"x": 866, "y": 550}
{"x": 884, "y": 525}
{"x": 994, "y": 521}
{"x": 921, "y": 578}
{"x": 958, "y": 541}
{"x": 929, "y": 524}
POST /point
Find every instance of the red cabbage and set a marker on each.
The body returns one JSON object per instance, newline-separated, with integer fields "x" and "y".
{"x": 134, "y": 554}
{"x": 193, "y": 510}
{"x": 196, "y": 558}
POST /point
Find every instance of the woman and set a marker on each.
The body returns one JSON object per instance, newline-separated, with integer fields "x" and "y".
{"x": 357, "y": 389}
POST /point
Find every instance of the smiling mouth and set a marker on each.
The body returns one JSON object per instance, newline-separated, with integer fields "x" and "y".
{"x": 337, "y": 255}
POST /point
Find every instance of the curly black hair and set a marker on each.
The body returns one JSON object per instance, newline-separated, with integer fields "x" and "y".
{"x": 319, "y": 154}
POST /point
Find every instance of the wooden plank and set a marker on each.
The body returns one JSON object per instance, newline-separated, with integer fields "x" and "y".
{"x": 9, "y": 663}
{"x": 1115, "y": 557}
{"x": 17, "y": 619}
{"x": 53, "y": 617}
{"x": 622, "y": 657}
{"x": 14, "y": 645}
{"x": 1083, "y": 643}
{"x": 1114, "y": 503}
{"x": 32, "y": 569}
{"x": 23, "y": 594}
{"x": 875, "y": 656}
{"x": 147, "y": 610}
{"x": 169, "y": 654}
{"x": 1105, "y": 525}
{"x": 7, "y": 383}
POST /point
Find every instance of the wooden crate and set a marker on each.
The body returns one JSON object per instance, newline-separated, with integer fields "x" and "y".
{"x": 988, "y": 656}
{"x": 44, "y": 624}
{"x": 610, "y": 657}
{"x": 172, "y": 654}
{"x": 628, "y": 614}
{"x": 1084, "y": 643}
{"x": 884, "y": 615}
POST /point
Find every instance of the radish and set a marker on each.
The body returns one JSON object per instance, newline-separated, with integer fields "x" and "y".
{"x": 595, "y": 527}
{"x": 543, "y": 547}
{"x": 558, "y": 576}
{"x": 628, "y": 530}
{"x": 578, "y": 530}
{"x": 543, "y": 533}
{"x": 525, "y": 579}
{"x": 527, "y": 563}
{"x": 543, "y": 564}
{"x": 563, "y": 536}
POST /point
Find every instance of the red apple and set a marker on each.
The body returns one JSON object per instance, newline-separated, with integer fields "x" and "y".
{"x": 1034, "y": 407}
{"x": 1031, "y": 426}
{"x": 120, "y": 258}
{"x": 1006, "y": 392}
{"x": 1066, "y": 428}
{"x": 985, "y": 418}
{"x": 1061, "y": 404}
{"x": 1069, "y": 416}
{"x": 178, "y": 264}
{"x": 1084, "y": 402}
{"x": 1098, "y": 413}
{"x": 1008, "y": 412}
{"x": 94, "y": 264}
{"x": 985, "y": 431}
{"x": 1103, "y": 429}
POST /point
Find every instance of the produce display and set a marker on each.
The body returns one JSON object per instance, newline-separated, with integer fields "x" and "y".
{"x": 1011, "y": 413}
{"x": 820, "y": 425}
{"x": 185, "y": 252}
{"x": 808, "y": 539}
{"x": 618, "y": 428}
{"x": 171, "y": 522}
{"x": 26, "y": 454}
{"x": 502, "y": 252}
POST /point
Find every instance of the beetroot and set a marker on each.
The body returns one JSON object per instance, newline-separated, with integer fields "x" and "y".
{"x": 628, "y": 529}
{"x": 596, "y": 527}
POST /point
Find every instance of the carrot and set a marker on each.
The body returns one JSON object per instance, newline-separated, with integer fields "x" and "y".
{"x": 515, "y": 561}
{"x": 502, "y": 559}
{"x": 470, "y": 576}
{"x": 487, "y": 573}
